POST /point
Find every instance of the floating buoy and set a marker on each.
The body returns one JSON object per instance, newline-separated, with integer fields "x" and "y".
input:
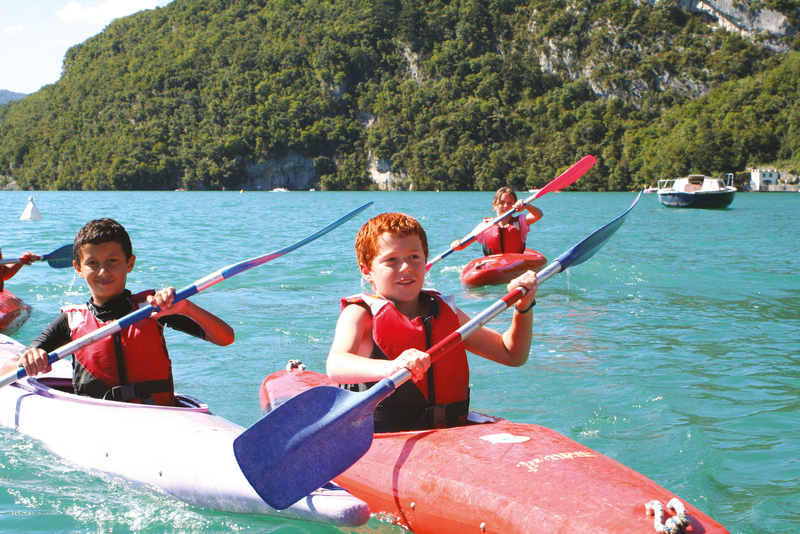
{"x": 31, "y": 213}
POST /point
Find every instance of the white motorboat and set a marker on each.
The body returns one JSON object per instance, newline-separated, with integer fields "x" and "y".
{"x": 697, "y": 191}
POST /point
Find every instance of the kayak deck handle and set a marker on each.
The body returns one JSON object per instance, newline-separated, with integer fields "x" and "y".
{"x": 674, "y": 525}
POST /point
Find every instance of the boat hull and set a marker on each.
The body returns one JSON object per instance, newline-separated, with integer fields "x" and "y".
{"x": 499, "y": 269}
{"x": 13, "y": 313}
{"x": 494, "y": 476}
{"x": 186, "y": 453}
{"x": 708, "y": 200}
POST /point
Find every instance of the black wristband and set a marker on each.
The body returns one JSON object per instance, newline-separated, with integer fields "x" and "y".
{"x": 526, "y": 310}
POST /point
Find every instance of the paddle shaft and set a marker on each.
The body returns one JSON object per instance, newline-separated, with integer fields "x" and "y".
{"x": 182, "y": 294}
{"x": 480, "y": 320}
{"x": 566, "y": 178}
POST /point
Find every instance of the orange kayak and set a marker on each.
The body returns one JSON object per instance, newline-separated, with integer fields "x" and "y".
{"x": 499, "y": 269}
{"x": 496, "y": 476}
{"x": 13, "y": 313}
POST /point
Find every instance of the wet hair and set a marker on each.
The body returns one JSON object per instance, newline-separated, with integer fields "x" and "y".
{"x": 503, "y": 191}
{"x": 398, "y": 224}
{"x": 101, "y": 231}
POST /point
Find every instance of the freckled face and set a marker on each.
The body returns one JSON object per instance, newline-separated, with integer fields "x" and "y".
{"x": 397, "y": 273}
{"x": 105, "y": 269}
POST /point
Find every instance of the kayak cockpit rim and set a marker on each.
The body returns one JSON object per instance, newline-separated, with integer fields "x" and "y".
{"x": 59, "y": 387}
{"x": 473, "y": 419}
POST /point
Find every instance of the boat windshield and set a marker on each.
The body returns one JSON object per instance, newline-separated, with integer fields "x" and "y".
{"x": 712, "y": 184}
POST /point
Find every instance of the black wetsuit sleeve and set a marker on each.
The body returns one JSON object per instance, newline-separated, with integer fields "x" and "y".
{"x": 57, "y": 334}
{"x": 184, "y": 324}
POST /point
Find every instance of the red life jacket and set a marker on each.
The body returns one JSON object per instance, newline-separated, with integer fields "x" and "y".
{"x": 510, "y": 238}
{"x": 441, "y": 398}
{"x": 131, "y": 366}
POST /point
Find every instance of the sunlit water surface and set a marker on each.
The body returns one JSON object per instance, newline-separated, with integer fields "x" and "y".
{"x": 675, "y": 350}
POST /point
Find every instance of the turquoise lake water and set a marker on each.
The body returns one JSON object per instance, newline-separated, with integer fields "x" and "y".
{"x": 675, "y": 350}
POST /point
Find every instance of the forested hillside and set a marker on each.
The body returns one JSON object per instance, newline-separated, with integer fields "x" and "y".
{"x": 455, "y": 95}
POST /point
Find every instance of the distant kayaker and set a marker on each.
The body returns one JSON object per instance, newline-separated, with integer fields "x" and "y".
{"x": 508, "y": 235}
{"x": 7, "y": 271}
{"x": 132, "y": 365}
{"x": 377, "y": 335}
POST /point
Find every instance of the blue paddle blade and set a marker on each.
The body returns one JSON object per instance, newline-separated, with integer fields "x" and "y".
{"x": 60, "y": 258}
{"x": 308, "y": 441}
{"x": 589, "y": 246}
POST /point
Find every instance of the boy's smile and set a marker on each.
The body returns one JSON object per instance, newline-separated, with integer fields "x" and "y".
{"x": 398, "y": 271}
{"x": 105, "y": 269}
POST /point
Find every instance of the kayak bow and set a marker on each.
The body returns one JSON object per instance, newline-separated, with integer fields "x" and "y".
{"x": 184, "y": 451}
{"x": 500, "y": 269}
{"x": 494, "y": 476}
{"x": 13, "y": 313}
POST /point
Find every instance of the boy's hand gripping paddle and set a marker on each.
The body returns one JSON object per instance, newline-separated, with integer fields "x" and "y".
{"x": 317, "y": 435}
{"x": 60, "y": 258}
{"x": 186, "y": 292}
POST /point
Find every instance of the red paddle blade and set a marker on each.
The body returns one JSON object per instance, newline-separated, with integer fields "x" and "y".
{"x": 569, "y": 176}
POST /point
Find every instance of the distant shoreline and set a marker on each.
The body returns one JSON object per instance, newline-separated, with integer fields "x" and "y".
{"x": 778, "y": 188}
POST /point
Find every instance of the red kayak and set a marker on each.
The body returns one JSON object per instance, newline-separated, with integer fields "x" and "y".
{"x": 499, "y": 269}
{"x": 493, "y": 475}
{"x": 13, "y": 313}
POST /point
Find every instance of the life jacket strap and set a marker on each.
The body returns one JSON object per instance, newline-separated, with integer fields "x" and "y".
{"x": 444, "y": 414}
{"x": 139, "y": 390}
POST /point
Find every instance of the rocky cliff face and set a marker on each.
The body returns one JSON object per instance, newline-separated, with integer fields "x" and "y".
{"x": 764, "y": 25}
{"x": 7, "y": 183}
{"x": 380, "y": 170}
{"x": 292, "y": 172}
{"x": 742, "y": 17}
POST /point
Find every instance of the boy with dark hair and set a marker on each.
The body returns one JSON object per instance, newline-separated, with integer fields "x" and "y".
{"x": 377, "y": 335}
{"x": 132, "y": 365}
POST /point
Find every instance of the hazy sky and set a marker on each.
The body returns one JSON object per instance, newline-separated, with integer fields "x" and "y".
{"x": 36, "y": 34}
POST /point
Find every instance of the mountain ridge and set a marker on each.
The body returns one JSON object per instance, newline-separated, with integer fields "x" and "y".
{"x": 462, "y": 95}
{"x": 9, "y": 96}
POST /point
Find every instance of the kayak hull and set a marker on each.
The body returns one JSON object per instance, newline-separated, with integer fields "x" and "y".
{"x": 184, "y": 452}
{"x": 494, "y": 476}
{"x": 499, "y": 269}
{"x": 13, "y": 313}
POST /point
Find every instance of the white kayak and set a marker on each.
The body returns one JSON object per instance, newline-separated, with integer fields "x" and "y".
{"x": 185, "y": 452}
